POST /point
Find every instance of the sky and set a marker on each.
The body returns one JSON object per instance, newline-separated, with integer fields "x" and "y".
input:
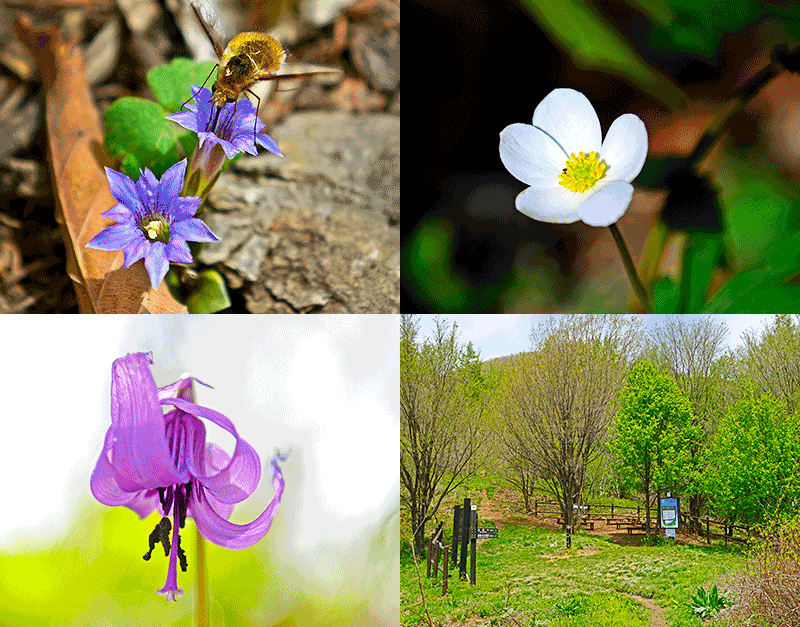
{"x": 508, "y": 334}
{"x": 325, "y": 387}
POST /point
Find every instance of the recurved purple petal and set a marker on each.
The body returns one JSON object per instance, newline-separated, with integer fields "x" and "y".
{"x": 182, "y": 388}
{"x": 237, "y": 480}
{"x": 227, "y": 534}
{"x": 105, "y": 488}
{"x": 140, "y": 455}
{"x": 216, "y": 460}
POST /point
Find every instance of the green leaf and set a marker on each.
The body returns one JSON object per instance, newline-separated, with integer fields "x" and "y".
{"x": 699, "y": 26}
{"x": 775, "y": 299}
{"x": 171, "y": 83}
{"x": 783, "y": 261}
{"x": 138, "y": 134}
{"x": 210, "y": 294}
{"x": 701, "y": 255}
{"x": 592, "y": 42}
{"x": 760, "y": 209}
{"x": 666, "y": 296}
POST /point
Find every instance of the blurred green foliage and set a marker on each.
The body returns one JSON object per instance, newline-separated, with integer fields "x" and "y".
{"x": 593, "y": 42}
{"x": 96, "y": 576}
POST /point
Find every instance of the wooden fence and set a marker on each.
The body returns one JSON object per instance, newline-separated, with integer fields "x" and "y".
{"x": 435, "y": 550}
{"x": 703, "y": 525}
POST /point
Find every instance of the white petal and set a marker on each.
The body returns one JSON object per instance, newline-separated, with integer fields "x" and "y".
{"x": 607, "y": 205}
{"x": 625, "y": 148}
{"x": 569, "y": 118}
{"x": 550, "y": 204}
{"x": 530, "y": 155}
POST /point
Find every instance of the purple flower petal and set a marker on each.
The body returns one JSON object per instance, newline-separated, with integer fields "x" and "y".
{"x": 139, "y": 453}
{"x": 194, "y": 230}
{"x": 137, "y": 250}
{"x": 178, "y": 250}
{"x": 119, "y": 213}
{"x": 184, "y": 207}
{"x": 115, "y": 237}
{"x": 105, "y": 488}
{"x": 156, "y": 263}
{"x": 123, "y": 189}
{"x": 227, "y": 534}
{"x": 169, "y": 187}
{"x": 240, "y": 477}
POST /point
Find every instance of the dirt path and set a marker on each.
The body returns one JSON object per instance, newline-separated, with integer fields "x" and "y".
{"x": 656, "y": 611}
{"x": 489, "y": 510}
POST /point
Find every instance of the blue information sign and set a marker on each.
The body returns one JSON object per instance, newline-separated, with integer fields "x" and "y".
{"x": 669, "y": 512}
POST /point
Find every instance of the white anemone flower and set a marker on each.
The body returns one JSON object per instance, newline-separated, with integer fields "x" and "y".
{"x": 572, "y": 175}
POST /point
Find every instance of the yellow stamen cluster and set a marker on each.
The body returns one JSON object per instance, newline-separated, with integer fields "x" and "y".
{"x": 582, "y": 172}
{"x": 154, "y": 229}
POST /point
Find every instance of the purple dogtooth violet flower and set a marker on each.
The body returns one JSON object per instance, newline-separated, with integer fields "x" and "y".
{"x": 155, "y": 461}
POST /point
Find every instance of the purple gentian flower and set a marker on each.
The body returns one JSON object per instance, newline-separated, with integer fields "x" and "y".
{"x": 222, "y": 132}
{"x": 154, "y": 461}
{"x": 234, "y": 128}
{"x": 153, "y": 221}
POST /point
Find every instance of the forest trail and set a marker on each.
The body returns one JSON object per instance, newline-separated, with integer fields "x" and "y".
{"x": 656, "y": 611}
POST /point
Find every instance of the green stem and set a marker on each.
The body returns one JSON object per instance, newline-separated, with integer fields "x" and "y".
{"x": 631, "y": 269}
{"x": 201, "y": 607}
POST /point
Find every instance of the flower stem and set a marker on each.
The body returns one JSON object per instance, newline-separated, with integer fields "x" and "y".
{"x": 631, "y": 269}
{"x": 201, "y": 607}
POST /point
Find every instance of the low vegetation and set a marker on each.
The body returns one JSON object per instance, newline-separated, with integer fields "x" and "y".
{"x": 527, "y": 577}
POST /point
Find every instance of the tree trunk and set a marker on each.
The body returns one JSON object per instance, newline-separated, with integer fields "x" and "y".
{"x": 647, "y": 499}
{"x": 418, "y": 522}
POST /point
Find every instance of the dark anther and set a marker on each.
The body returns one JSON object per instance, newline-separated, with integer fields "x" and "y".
{"x": 180, "y": 506}
{"x": 182, "y": 501}
{"x": 181, "y": 556}
{"x": 166, "y": 503}
{"x": 161, "y": 498}
{"x": 159, "y": 534}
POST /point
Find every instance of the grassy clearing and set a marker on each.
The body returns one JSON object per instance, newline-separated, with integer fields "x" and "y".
{"x": 518, "y": 585}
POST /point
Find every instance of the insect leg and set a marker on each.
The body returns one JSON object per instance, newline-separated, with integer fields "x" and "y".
{"x": 203, "y": 85}
{"x": 255, "y": 122}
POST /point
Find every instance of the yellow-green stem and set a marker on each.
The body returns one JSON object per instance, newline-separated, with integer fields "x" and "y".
{"x": 631, "y": 269}
{"x": 201, "y": 608}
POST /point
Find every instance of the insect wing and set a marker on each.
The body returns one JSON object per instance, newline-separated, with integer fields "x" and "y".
{"x": 206, "y": 17}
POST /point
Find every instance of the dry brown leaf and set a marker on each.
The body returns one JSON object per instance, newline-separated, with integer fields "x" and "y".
{"x": 77, "y": 158}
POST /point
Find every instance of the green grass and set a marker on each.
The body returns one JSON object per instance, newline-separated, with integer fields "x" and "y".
{"x": 517, "y": 586}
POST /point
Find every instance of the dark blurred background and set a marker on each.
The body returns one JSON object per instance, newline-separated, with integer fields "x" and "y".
{"x": 487, "y": 64}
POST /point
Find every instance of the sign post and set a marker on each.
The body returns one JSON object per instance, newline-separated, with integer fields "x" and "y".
{"x": 669, "y": 514}
{"x": 466, "y": 522}
{"x": 473, "y": 543}
{"x": 466, "y": 534}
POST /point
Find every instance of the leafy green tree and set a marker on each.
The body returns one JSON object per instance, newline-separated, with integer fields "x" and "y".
{"x": 653, "y": 433}
{"x": 755, "y": 457}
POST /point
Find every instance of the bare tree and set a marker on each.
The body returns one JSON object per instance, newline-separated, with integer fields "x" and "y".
{"x": 557, "y": 398}
{"x": 443, "y": 393}
{"x": 772, "y": 359}
{"x": 690, "y": 347}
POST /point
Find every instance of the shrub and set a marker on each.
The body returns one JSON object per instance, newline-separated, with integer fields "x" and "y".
{"x": 769, "y": 589}
{"x": 708, "y": 604}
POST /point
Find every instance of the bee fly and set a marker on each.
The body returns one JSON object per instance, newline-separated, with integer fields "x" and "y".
{"x": 247, "y": 59}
